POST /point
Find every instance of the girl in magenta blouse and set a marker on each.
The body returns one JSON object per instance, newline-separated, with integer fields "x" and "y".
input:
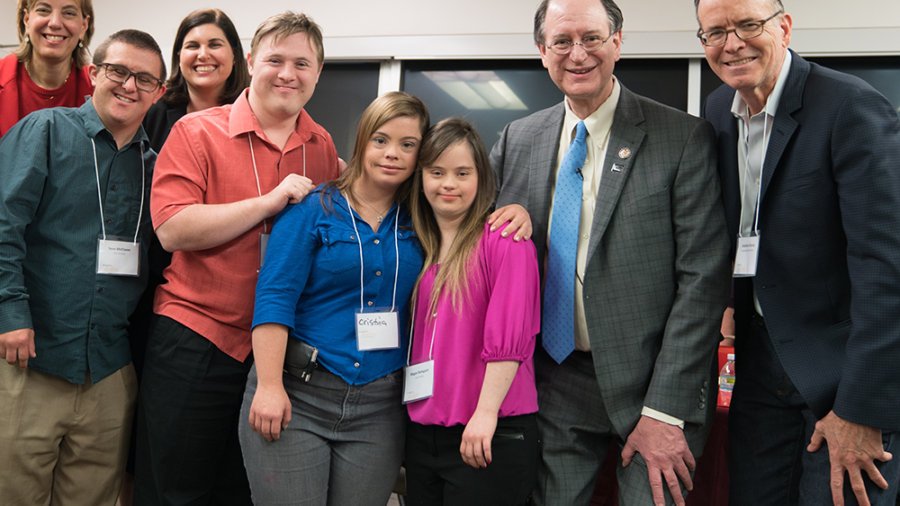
{"x": 472, "y": 437}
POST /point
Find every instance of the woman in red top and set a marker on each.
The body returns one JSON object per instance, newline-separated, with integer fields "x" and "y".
{"x": 49, "y": 69}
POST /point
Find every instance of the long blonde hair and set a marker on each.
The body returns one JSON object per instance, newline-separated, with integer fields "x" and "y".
{"x": 451, "y": 276}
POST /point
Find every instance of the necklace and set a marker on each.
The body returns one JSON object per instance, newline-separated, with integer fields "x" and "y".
{"x": 30, "y": 70}
{"x": 379, "y": 215}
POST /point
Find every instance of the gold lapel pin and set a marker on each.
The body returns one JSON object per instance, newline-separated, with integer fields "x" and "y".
{"x": 624, "y": 153}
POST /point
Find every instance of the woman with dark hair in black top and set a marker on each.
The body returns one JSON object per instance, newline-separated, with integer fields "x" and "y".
{"x": 208, "y": 70}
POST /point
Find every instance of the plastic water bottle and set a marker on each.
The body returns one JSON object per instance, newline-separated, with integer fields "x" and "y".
{"x": 726, "y": 381}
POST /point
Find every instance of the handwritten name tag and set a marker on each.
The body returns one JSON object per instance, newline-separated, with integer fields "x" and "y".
{"x": 377, "y": 331}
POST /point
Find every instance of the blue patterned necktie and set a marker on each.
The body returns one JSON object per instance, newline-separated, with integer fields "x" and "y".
{"x": 558, "y": 320}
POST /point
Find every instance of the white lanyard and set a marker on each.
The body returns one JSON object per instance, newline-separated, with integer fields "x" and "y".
{"x": 361, "y": 261}
{"x": 748, "y": 176}
{"x": 412, "y": 327}
{"x": 100, "y": 195}
{"x": 256, "y": 172}
{"x": 418, "y": 380}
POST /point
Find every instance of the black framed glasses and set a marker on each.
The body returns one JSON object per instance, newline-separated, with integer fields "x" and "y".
{"x": 589, "y": 43}
{"x": 120, "y": 74}
{"x": 744, "y": 31}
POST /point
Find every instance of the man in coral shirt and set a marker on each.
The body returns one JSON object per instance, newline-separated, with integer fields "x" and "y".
{"x": 222, "y": 176}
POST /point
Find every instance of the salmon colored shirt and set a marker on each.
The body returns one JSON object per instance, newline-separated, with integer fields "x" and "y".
{"x": 207, "y": 160}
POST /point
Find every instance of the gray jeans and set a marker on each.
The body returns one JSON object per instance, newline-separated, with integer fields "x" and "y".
{"x": 344, "y": 444}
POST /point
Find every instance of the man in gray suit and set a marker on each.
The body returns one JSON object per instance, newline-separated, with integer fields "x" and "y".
{"x": 650, "y": 273}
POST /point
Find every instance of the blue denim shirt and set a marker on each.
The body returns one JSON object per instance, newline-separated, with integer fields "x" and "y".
{"x": 310, "y": 281}
{"x": 49, "y": 226}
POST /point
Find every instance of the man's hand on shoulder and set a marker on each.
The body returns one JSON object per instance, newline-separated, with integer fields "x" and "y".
{"x": 666, "y": 453}
{"x": 292, "y": 189}
{"x": 852, "y": 449}
{"x": 17, "y": 346}
{"x": 518, "y": 218}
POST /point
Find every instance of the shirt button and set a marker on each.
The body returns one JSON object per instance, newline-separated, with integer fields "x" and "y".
{"x": 377, "y": 241}
{"x": 114, "y": 187}
{"x": 99, "y": 289}
{"x": 378, "y": 273}
{"x": 371, "y": 303}
{"x": 356, "y": 365}
{"x": 352, "y": 238}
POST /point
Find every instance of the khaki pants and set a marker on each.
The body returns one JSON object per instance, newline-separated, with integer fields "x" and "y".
{"x": 63, "y": 444}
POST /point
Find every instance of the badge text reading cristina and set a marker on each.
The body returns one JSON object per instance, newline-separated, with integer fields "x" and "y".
{"x": 369, "y": 321}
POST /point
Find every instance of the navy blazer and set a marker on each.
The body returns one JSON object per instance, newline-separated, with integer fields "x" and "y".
{"x": 828, "y": 277}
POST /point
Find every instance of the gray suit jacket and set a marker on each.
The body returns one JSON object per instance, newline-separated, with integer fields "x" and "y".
{"x": 657, "y": 275}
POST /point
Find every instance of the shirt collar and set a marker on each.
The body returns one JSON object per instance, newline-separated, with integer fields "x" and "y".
{"x": 93, "y": 125}
{"x": 739, "y": 108}
{"x": 242, "y": 120}
{"x": 599, "y": 122}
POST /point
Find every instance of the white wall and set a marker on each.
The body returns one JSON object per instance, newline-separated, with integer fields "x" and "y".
{"x": 371, "y": 29}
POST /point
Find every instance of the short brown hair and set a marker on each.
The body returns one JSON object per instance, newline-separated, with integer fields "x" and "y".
{"x": 286, "y": 24}
{"x": 136, "y": 38}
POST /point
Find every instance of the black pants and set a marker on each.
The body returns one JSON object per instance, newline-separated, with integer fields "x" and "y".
{"x": 437, "y": 475}
{"x": 189, "y": 403}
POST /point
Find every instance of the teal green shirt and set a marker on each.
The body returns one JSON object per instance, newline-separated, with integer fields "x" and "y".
{"x": 49, "y": 231}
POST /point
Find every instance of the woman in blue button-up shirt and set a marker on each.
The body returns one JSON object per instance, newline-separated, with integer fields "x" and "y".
{"x": 338, "y": 275}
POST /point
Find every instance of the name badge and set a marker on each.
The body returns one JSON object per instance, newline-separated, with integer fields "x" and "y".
{"x": 263, "y": 246}
{"x": 746, "y": 256}
{"x": 418, "y": 382}
{"x": 377, "y": 331}
{"x": 118, "y": 258}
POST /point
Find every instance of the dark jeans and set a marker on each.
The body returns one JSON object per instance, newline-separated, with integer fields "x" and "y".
{"x": 769, "y": 428}
{"x": 189, "y": 402}
{"x": 437, "y": 475}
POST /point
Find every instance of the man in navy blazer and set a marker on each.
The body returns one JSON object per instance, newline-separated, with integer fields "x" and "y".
{"x": 810, "y": 165}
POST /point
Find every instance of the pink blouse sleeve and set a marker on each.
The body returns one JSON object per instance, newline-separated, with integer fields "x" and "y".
{"x": 513, "y": 316}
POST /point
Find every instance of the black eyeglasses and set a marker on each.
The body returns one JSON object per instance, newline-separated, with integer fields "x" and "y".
{"x": 589, "y": 43}
{"x": 744, "y": 31}
{"x": 120, "y": 74}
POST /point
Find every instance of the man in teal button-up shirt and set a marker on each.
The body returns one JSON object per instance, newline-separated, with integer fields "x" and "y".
{"x": 73, "y": 212}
